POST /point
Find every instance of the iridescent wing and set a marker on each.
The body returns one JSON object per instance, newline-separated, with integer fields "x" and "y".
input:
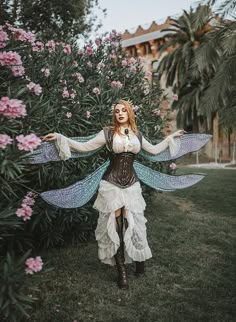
{"x": 79, "y": 193}
{"x": 186, "y": 144}
{"x": 165, "y": 182}
{"x": 47, "y": 151}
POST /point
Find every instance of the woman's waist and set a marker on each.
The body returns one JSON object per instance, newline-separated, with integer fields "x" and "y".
{"x": 122, "y": 160}
{"x": 120, "y": 170}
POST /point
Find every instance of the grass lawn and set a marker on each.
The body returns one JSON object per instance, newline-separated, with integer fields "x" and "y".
{"x": 191, "y": 276}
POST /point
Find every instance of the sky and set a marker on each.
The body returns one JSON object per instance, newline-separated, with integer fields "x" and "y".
{"x": 128, "y": 14}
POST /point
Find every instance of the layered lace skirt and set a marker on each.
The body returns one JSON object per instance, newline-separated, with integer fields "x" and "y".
{"x": 109, "y": 199}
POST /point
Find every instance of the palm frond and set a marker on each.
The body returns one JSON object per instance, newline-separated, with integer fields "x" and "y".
{"x": 219, "y": 93}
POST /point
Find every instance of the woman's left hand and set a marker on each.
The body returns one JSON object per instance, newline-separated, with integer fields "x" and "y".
{"x": 179, "y": 133}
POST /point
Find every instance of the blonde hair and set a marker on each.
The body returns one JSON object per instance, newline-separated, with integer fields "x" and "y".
{"x": 131, "y": 117}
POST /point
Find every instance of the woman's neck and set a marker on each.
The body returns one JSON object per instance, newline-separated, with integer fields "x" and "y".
{"x": 124, "y": 126}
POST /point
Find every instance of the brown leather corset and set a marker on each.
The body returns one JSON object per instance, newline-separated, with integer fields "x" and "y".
{"x": 120, "y": 172}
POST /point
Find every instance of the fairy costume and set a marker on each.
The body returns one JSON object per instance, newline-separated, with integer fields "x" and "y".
{"x": 118, "y": 183}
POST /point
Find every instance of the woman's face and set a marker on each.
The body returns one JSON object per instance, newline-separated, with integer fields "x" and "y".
{"x": 121, "y": 114}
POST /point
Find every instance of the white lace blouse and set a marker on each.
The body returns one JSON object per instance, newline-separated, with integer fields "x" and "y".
{"x": 121, "y": 143}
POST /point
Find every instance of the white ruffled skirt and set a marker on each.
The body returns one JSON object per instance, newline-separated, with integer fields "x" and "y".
{"x": 109, "y": 199}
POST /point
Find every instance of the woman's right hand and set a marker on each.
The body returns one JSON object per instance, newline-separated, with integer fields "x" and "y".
{"x": 50, "y": 137}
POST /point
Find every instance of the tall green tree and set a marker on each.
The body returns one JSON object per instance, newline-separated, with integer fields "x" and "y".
{"x": 54, "y": 19}
{"x": 216, "y": 59}
{"x": 185, "y": 36}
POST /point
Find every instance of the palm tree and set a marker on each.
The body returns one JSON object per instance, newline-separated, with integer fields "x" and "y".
{"x": 185, "y": 35}
{"x": 228, "y": 7}
{"x": 216, "y": 58}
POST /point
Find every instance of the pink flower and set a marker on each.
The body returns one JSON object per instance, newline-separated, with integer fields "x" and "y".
{"x": 108, "y": 39}
{"x": 98, "y": 42}
{"x": 124, "y": 63}
{"x": 25, "y": 212}
{"x": 22, "y": 35}
{"x": 9, "y": 26}
{"x": 46, "y": 71}
{"x": 175, "y": 97}
{"x": 17, "y": 70}
{"x": 100, "y": 65}
{"x": 88, "y": 114}
{"x": 2, "y": 44}
{"x": 117, "y": 84}
{"x": 79, "y": 77}
{"x": 3, "y": 36}
{"x": 29, "y": 198}
{"x": 89, "y": 64}
{"x": 28, "y": 142}
{"x": 132, "y": 61}
{"x": 34, "y": 265}
{"x": 73, "y": 93}
{"x": 75, "y": 63}
{"x": 38, "y": 46}
{"x": 31, "y": 194}
{"x": 12, "y": 107}
{"x": 29, "y": 201}
{"x": 51, "y": 45}
{"x": 173, "y": 166}
{"x": 65, "y": 93}
{"x": 96, "y": 90}
{"x": 31, "y": 85}
{"x": 20, "y": 212}
{"x": 133, "y": 69}
{"x": 67, "y": 49}
{"x": 10, "y": 58}
{"x": 68, "y": 115}
{"x": 35, "y": 88}
{"x": 89, "y": 50}
{"x": 113, "y": 33}
{"x": 4, "y": 140}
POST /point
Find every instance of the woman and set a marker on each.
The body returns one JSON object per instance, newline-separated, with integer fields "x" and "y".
{"x": 121, "y": 228}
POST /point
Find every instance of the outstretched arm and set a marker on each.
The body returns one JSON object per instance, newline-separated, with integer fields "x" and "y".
{"x": 160, "y": 147}
{"x": 66, "y": 145}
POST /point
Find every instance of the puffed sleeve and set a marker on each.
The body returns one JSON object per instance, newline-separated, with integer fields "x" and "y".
{"x": 65, "y": 145}
{"x": 168, "y": 142}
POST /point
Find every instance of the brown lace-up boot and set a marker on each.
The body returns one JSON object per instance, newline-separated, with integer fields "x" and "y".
{"x": 119, "y": 257}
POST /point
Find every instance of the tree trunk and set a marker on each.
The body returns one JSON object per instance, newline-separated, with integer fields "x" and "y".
{"x": 195, "y": 122}
{"x": 229, "y": 142}
{"x": 216, "y": 135}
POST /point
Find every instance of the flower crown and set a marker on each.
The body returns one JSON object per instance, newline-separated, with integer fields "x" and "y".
{"x": 128, "y": 101}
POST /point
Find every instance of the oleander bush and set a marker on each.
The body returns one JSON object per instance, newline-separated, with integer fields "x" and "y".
{"x": 55, "y": 87}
